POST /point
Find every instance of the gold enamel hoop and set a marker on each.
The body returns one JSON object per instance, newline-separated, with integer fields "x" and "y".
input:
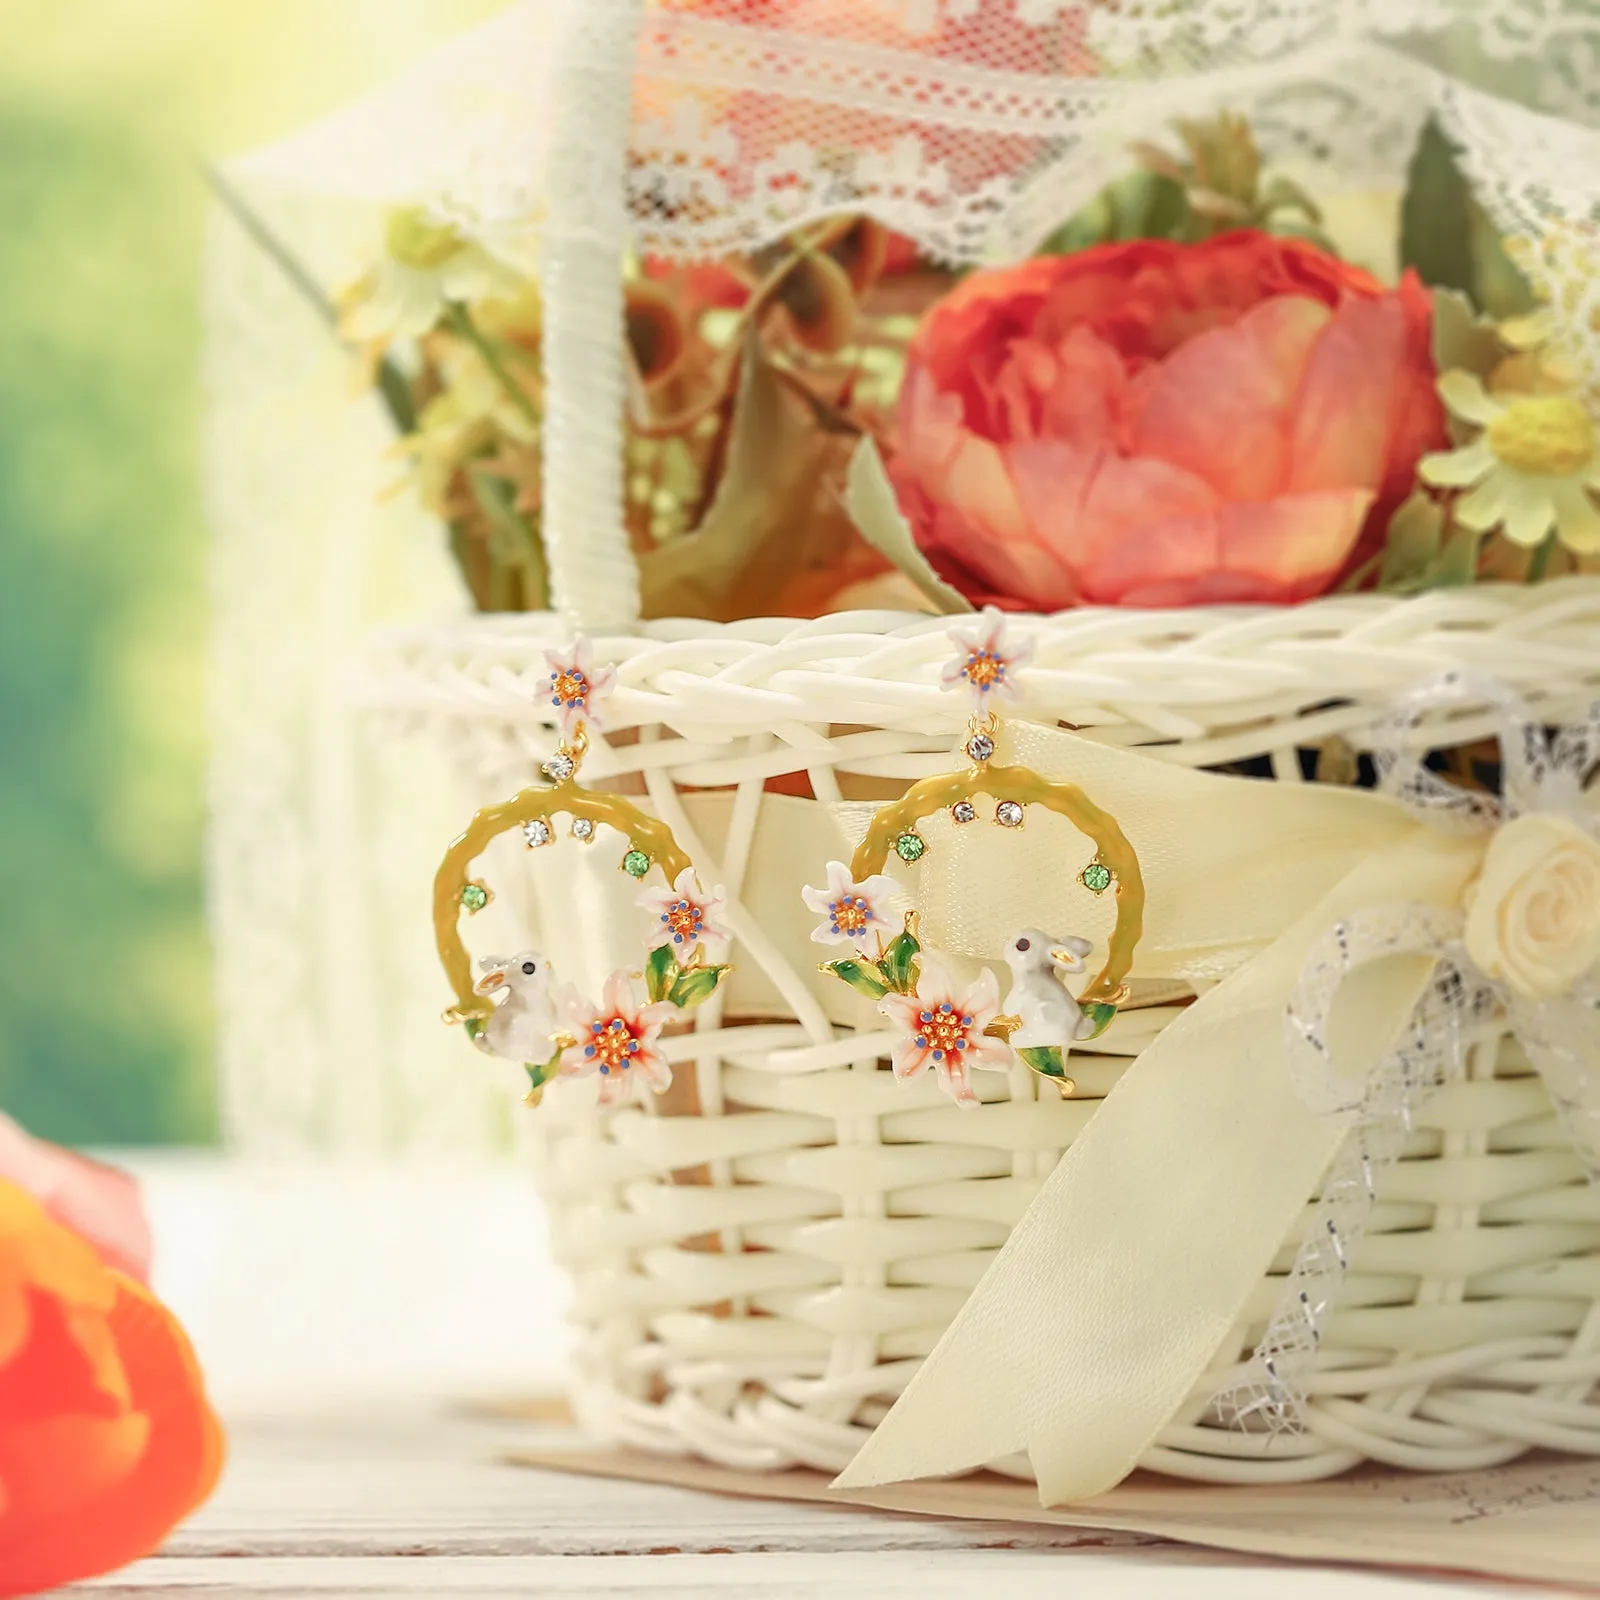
{"x": 1022, "y": 786}
{"x": 455, "y": 890}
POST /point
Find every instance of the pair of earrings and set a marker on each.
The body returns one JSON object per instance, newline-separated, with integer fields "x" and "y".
{"x": 951, "y": 1027}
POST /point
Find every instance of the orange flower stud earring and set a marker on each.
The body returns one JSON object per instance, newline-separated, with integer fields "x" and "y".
{"x": 514, "y": 1007}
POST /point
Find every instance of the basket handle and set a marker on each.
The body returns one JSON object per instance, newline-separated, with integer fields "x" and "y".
{"x": 594, "y": 579}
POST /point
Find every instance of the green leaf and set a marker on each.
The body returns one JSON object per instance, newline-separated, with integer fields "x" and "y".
{"x": 513, "y": 541}
{"x": 1138, "y": 205}
{"x": 1415, "y": 534}
{"x": 869, "y": 498}
{"x": 899, "y": 964}
{"x": 696, "y": 986}
{"x": 474, "y": 1026}
{"x": 1044, "y": 1059}
{"x": 1436, "y": 215}
{"x": 659, "y": 972}
{"x": 859, "y": 976}
{"x": 1448, "y": 237}
{"x": 1100, "y": 1013}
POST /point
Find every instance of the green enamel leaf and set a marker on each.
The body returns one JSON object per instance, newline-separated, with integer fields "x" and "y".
{"x": 859, "y": 976}
{"x": 659, "y": 972}
{"x": 1100, "y": 1013}
{"x": 899, "y": 964}
{"x": 696, "y": 986}
{"x": 1045, "y": 1060}
{"x": 474, "y": 1026}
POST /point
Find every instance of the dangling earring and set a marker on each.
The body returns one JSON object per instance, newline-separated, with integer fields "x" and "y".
{"x": 514, "y": 1008}
{"x": 941, "y": 1023}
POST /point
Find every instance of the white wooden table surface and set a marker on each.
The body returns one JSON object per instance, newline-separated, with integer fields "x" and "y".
{"x": 419, "y": 1503}
{"x": 332, "y": 1309}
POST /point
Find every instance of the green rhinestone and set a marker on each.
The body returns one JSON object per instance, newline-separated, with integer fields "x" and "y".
{"x": 636, "y": 863}
{"x": 1096, "y": 877}
{"x": 910, "y": 846}
{"x": 474, "y": 897}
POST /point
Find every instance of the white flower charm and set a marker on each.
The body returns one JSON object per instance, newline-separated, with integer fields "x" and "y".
{"x": 1530, "y": 469}
{"x": 685, "y": 916}
{"x": 429, "y": 262}
{"x": 616, "y": 1039}
{"x": 577, "y": 686}
{"x": 1533, "y": 921}
{"x": 941, "y": 1026}
{"x": 850, "y": 910}
{"x": 986, "y": 663}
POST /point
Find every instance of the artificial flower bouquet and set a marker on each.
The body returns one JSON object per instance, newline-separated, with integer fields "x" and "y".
{"x": 1187, "y": 397}
{"x": 1151, "y": 1022}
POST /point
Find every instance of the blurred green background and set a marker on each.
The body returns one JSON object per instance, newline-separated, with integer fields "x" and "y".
{"x": 107, "y": 110}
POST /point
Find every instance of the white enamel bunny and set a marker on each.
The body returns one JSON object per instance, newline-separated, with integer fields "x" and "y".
{"x": 524, "y": 1017}
{"x": 1050, "y": 1016}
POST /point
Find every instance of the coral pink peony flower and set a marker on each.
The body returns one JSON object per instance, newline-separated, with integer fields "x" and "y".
{"x": 616, "y": 1039}
{"x": 942, "y": 1027}
{"x": 685, "y": 915}
{"x": 1161, "y": 424}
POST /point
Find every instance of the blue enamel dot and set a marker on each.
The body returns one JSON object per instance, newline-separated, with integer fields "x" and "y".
{"x": 588, "y": 1049}
{"x": 922, "y": 1043}
{"x": 938, "y": 1055}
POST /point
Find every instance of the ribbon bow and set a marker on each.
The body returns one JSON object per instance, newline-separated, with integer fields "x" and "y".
{"x": 1527, "y": 948}
{"x": 1097, "y": 1322}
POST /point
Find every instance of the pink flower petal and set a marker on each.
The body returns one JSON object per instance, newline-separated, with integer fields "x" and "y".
{"x": 1086, "y": 505}
{"x": 1344, "y": 410}
{"x": 97, "y": 1202}
{"x": 1221, "y": 405}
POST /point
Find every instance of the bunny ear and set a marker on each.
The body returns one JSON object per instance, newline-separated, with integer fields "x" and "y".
{"x": 1079, "y": 947}
{"x": 492, "y": 963}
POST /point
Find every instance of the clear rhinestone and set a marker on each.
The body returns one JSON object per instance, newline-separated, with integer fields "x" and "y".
{"x": 537, "y": 832}
{"x": 963, "y": 811}
{"x": 1008, "y": 814}
{"x": 582, "y": 828}
{"x": 980, "y": 747}
{"x": 559, "y": 767}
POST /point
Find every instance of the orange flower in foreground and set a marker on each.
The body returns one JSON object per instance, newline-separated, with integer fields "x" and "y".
{"x": 106, "y": 1438}
{"x": 1158, "y": 424}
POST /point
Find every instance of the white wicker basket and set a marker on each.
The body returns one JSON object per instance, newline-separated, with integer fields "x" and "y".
{"x": 762, "y": 1259}
{"x": 760, "y": 1266}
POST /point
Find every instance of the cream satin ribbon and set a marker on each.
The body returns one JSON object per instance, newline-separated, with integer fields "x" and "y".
{"x": 1110, "y": 1298}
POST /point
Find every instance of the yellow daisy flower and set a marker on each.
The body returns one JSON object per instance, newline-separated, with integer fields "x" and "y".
{"x": 1529, "y": 470}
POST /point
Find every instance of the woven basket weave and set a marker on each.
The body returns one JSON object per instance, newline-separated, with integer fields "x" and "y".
{"x": 761, "y": 1259}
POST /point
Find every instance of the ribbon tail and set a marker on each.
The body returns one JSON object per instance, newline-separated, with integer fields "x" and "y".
{"x": 1092, "y": 1325}
{"x": 1135, "y": 1261}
